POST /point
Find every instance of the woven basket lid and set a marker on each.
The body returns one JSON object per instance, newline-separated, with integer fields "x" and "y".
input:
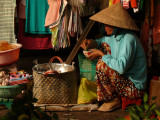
{"x": 117, "y": 16}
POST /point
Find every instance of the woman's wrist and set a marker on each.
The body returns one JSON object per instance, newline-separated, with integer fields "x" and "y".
{"x": 102, "y": 54}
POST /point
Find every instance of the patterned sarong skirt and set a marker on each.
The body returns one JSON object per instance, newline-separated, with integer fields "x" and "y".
{"x": 111, "y": 84}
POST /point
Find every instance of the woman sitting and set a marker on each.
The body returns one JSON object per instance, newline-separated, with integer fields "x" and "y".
{"x": 121, "y": 70}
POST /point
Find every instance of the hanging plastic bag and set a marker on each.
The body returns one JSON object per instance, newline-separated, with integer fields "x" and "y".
{"x": 87, "y": 91}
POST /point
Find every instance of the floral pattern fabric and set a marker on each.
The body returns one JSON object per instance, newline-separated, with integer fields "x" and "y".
{"x": 111, "y": 84}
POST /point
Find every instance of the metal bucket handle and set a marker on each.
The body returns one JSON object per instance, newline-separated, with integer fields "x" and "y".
{"x": 50, "y": 72}
{"x": 60, "y": 60}
{"x": 53, "y": 71}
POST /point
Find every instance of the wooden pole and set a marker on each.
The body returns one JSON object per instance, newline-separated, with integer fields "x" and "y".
{"x": 77, "y": 46}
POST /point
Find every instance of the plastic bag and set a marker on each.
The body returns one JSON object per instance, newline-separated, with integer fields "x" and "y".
{"x": 87, "y": 91}
{"x": 19, "y": 77}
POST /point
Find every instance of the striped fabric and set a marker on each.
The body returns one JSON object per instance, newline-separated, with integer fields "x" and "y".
{"x": 7, "y": 11}
{"x": 126, "y": 4}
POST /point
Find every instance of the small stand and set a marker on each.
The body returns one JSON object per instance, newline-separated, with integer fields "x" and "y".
{"x": 126, "y": 102}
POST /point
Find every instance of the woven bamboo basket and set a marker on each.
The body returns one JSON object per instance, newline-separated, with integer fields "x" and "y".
{"x": 56, "y": 88}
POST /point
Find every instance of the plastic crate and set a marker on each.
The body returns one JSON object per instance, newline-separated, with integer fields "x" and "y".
{"x": 87, "y": 67}
{"x": 11, "y": 91}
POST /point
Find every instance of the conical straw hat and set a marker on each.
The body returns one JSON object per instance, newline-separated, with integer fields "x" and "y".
{"x": 116, "y": 16}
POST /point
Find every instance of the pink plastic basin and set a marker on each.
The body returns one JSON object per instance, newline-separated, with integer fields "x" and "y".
{"x": 10, "y": 56}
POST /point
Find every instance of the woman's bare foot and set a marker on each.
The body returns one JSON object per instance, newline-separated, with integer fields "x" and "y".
{"x": 116, "y": 103}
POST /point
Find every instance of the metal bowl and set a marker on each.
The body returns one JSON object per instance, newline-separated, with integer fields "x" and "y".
{"x": 10, "y": 56}
{"x": 58, "y": 67}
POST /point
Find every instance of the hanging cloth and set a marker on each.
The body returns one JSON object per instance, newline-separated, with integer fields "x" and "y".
{"x": 152, "y": 7}
{"x": 75, "y": 25}
{"x": 80, "y": 5}
{"x": 60, "y": 12}
{"x": 156, "y": 26}
{"x": 147, "y": 11}
{"x": 22, "y": 9}
{"x": 134, "y": 4}
{"x": 146, "y": 40}
{"x": 136, "y": 9}
{"x": 34, "y": 43}
{"x": 125, "y": 4}
{"x": 59, "y": 35}
{"x": 36, "y": 11}
{"x": 55, "y": 12}
{"x": 7, "y": 12}
{"x": 58, "y": 28}
{"x": 149, "y": 54}
{"x": 54, "y": 36}
{"x": 141, "y": 7}
{"x": 23, "y": 2}
{"x": 144, "y": 36}
{"x": 110, "y": 2}
{"x": 116, "y": 1}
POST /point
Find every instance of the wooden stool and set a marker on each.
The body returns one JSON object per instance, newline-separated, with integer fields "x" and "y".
{"x": 154, "y": 90}
{"x": 127, "y": 101}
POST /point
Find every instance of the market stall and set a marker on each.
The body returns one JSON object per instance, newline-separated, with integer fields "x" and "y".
{"x": 55, "y": 26}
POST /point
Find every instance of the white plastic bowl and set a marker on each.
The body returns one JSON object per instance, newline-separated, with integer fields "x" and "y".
{"x": 10, "y": 56}
{"x": 86, "y": 53}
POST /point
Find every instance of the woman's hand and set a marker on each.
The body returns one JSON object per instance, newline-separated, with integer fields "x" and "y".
{"x": 86, "y": 43}
{"x": 95, "y": 53}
